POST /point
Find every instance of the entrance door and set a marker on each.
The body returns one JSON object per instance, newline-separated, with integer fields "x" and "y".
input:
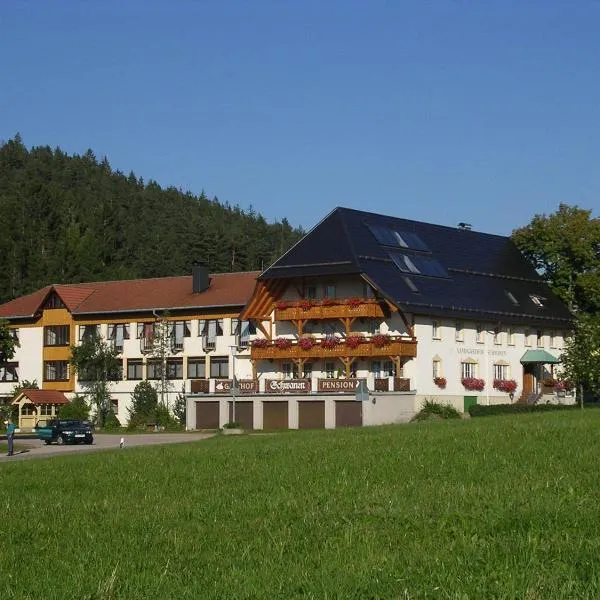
{"x": 528, "y": 379}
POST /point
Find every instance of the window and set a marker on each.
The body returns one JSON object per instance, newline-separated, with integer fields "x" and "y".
{"x": 114, "y": 405}
{"x": 437, "y": 368}
{"x": 28, "y": 409}
{"x": 500, "y": 371}
{"x": 196, "y": 368}
{"x": 289, "y": 370}
{"x": 154, "y": 368}
{"x": 368, "y": 291}
{"x": 9, "y": 371}
{"x": 510, "y": 334}
{"x": 174, "y": 368}
{"x": 553, "y": 339}
{"x": 219, "y": 367}
{"x": 329, "y": 369}
{"x": 539, "y": 301}
{"x": 373, "y": 326}
{"x": 480, "y": 334}
{"x": 467, "y": 370}
{"x": 527, "y": 337}
{"x": 178, "y": 330}
{"x": 540, "y": 338}
{"x": 134, "y": 368}
{"x": 54, "y": 302}
{"x": 88, "y": 332}
{"x": 388, "y": 236}
{"x": 435, "y": 330}
{"x": 459, "y": 332}
{"x": 210, "y": 330}
{"x": 329, "y": 290}
{"x": 382, "y": 369}
{"x": 56, "y": 370}
{"x": 117, "y": 374}
{"x": 15, "y": 334}
{"x": 242, "y": 330}
{"x": 56, "y": 335}
{"x": 117, "y": 333}
{"x": 497, "y": 335}
{"x": 46, "y": 410}
{"x": 512, "y": 298}
{"x": 145, "y": 330}
{"x": 311, "y": 292}
{"x": 307, "y": 371}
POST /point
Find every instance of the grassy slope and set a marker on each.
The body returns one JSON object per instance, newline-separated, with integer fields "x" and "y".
{"x": 503, "y": 507}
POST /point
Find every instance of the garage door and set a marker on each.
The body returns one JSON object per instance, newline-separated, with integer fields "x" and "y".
{"x": 275, "y": 415}
{"x": 348, "y": 413}
{"x": 207, "y": 415}
{"x": 311, "y": 414}
{"x": 244, "y": 413}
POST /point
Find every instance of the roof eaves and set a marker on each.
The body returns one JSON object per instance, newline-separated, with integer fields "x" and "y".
{"x": 147, "y": 309}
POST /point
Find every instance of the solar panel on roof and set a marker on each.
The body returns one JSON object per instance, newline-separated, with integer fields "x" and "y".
{"x": 418, "y": 265}
{"x": 388, "y": 236}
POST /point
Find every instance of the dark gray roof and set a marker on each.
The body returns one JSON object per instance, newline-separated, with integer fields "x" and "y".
{"x": 477, "y": 275}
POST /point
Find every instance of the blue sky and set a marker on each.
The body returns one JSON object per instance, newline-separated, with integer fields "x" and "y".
{"x": 441, "y": 110}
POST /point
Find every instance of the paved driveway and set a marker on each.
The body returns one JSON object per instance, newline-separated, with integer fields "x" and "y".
{"x": 102, "y": 441}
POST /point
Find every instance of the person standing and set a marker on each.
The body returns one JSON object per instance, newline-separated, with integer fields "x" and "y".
{"x": 10, "y": 435}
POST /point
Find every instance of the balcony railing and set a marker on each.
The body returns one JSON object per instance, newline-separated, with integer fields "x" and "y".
{"x": 395, "y": 346}
{"x": 328, "y": 309}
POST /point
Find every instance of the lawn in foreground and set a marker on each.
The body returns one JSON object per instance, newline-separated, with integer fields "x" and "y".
{"x": 502, "y": 507}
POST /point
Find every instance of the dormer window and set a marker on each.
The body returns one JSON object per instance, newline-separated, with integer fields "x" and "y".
{"x": 512, "y": 298}
{"x": 539, "y": 301}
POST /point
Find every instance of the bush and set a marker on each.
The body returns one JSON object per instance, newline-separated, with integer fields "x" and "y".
{"x": 436, "y": 410}
{"x": 232, "y": 425}
{"x": 76, "y": 410}
{"x": 111, "y": 422}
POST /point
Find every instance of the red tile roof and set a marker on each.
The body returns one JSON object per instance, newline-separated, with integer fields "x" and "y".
{"x": 44, "y": 396}
{"x": 165, "y": 293}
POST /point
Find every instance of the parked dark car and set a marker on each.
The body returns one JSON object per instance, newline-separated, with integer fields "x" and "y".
{"x": 64, "y": 432}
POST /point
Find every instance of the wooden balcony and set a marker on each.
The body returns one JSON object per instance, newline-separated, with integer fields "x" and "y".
{"x": 398, "y": 346}
{"x": 304, "y": 310}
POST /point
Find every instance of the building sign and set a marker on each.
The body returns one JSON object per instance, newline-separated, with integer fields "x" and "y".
{"x": 491, "y": 352}
{"x": 287, "y": 386}
{"x": 199, "y": 386}
{"x": 244, "y": 386}
{"x": 338, "y": 385}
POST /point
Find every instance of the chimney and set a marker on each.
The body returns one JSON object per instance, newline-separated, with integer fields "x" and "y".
{"x": 200, "y": 278}
{"x": 464, "y": 226}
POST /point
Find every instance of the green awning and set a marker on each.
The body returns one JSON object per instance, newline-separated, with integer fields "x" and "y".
{"x": 539, "y": 356}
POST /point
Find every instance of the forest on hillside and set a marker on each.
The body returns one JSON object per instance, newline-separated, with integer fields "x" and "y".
{"x": 68, "y": 219}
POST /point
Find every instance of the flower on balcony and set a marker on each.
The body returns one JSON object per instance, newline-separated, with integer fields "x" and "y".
{"x": 329, "y": 302}
{"x": 381, "y": 339}
{"x": 330, "y": 342}
{"x": 306, "y": 343}
{"x": 283, "y": 304}
{"x": 472, "y": 383}
{"x": 260, "y": 343}
{"x": 440, "y": 382}
{"x": 561, "y": 386}
{"x": 353, "y": 341}
{"x": 354, "y": 302}
{"x": 282, "y": 343}
{"x": 505, "y": 385}
{"x": 548, "y": 382}
{"x": 305, "y": 303}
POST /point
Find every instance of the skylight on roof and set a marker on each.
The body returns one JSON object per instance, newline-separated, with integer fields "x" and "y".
{"x": 418, "y": 265}
{"x": 512, "y": 298}
{"x": 538, "y": 300}
{"x": 398, "y": 239}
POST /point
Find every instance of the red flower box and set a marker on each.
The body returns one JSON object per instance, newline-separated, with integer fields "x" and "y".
{"x": 283, "y": 304}
{"x": 305, "y": 304}
{"x": 381, "y": 339}
{"x": 440, "y": 382}
{"x": 329, "y": 302}
{"x": 353, "y": 341}
{"x": 330, "y": 342}
{"x": 354, "y": 302}
{"x": 260, "y": 343}
{"x": 473, "y": 384}
{"x": 306, "y": 343}
{"x": 282, "y": 343}
{"x": 505, "y": 385}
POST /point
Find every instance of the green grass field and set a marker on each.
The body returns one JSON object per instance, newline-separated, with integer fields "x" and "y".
{"x": 504, "y": 507}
